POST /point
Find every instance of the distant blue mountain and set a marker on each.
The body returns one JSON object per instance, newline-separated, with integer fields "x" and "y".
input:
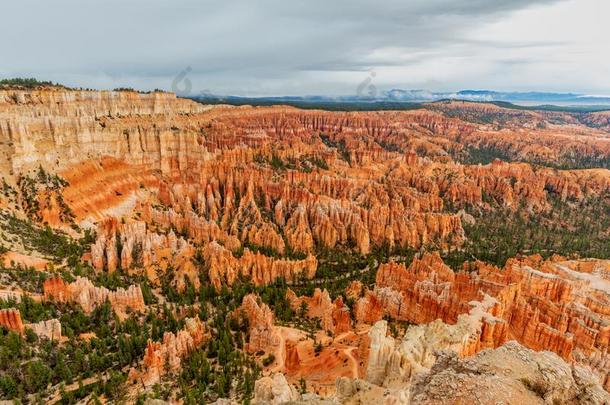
{"x": 419, "y": 96}
{"x": 490, "y": 95}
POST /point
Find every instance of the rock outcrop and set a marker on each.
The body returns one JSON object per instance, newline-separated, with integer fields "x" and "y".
{"x": 133, "y": 247}
{"x": 263, "y": 335}
{"x": 334, "y": 316}
{"x": 261, "y": 269}
{"x": 168, "y": 353}
{"x": 509, "y": 374}
{"x": 555, "y": 305}
{"x": 88, "y": 296}
{"x": 50, "y": 329}
{"x": 274, "y": 390}
{"x": 391, "y": 361}
{"x": 10, "y": 318}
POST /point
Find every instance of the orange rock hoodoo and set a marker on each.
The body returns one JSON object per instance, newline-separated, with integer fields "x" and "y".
{"x": 88, "y": 296}
{"x": 279, "y": 179}
{"x": 142, "y": 249}
{"x": 168, "y": 353}
{"x": 263, "y": 333}
{"x": 334, "y": 316}
{"x": 548, "y": 305}
{"x": 10, "y": 318}
{"x": 261, "y": 269}
{"x": 258, "y": 192}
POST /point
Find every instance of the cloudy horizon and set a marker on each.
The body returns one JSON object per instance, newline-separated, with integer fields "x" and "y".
{"x": 275, "y": 48}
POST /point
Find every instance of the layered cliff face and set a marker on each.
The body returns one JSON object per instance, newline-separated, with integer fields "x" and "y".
{"x": 55, "y": 127}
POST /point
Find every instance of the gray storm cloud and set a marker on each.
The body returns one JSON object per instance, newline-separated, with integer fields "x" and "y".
{"x": 309, "y": 47}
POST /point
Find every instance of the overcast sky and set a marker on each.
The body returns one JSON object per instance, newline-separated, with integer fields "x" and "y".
{"x": 298, "y": 47}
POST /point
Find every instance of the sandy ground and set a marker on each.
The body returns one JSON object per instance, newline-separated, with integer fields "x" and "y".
{"x": 339, "y": 357}
{"x": 24, "y": 260}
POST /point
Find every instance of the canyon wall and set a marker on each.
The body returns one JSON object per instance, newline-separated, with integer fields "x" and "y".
{"x": 54, "y": 127}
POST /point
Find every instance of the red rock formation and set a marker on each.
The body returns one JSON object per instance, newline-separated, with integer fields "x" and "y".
{"x": 342, "y": 319}
{"x": 549, "y": 307}
{"x": 369, "y": 309}
{"x": 354, "y": 290}
{"x": 91, "y": 136}
{"x": 474, "y": 331}
{"x": 10, "y": 318}
{"x": 252, "y": 187}
{"x": 107, "y": 186}
{"x": 334, "y": 316}
{"x": 262, "y": 331}
{"x": 142, "y": 249}
{"x": 88, "y": 296}
{"x": 171, "y": 350}
{"x": 261, "y": 269}
{"x": 293, "y": 361}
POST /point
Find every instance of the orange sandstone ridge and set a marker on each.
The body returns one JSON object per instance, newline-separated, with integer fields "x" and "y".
{"x": 84, "y": 293}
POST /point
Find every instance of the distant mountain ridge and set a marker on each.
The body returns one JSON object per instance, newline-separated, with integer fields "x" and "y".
{"x": 420, "y": 96}
{"x": 491, "y": 95}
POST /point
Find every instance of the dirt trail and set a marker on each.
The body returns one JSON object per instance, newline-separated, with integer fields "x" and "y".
{"x": 350, "y": 356}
